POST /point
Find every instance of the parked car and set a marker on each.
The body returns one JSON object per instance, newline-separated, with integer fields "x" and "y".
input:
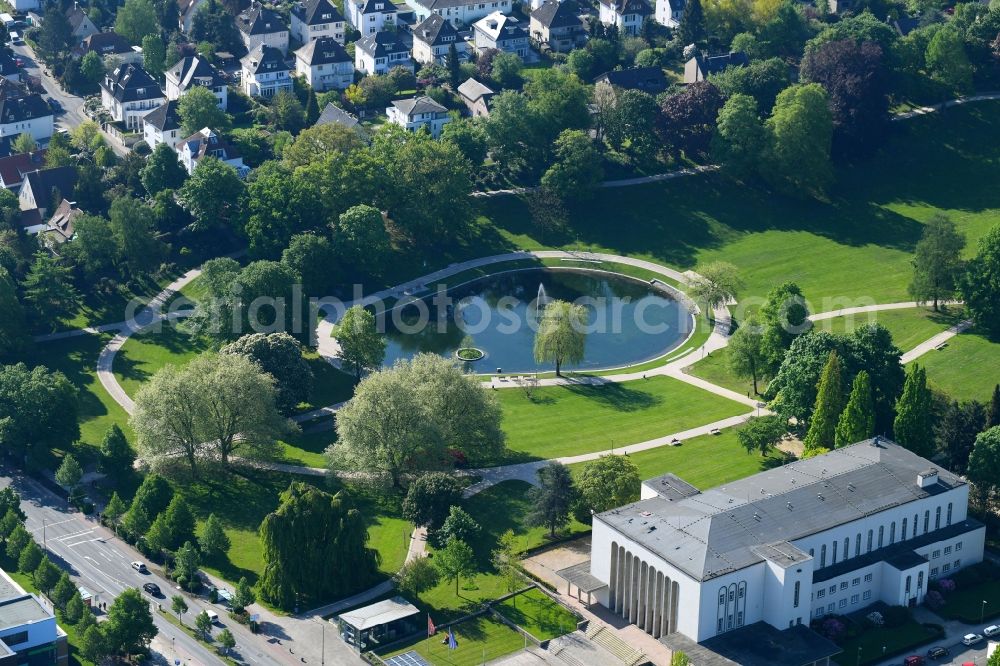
{"x": 914, "y": 660}
{"x": 937, "y": 652}
{"x": 140, "y": 567}
{"x": 153, "y": 589}
{"x": 55, "y": 105}
{"x": 15, "y": 39}
{"x": 992, "y": 630}
{"x": 971, "y": 639}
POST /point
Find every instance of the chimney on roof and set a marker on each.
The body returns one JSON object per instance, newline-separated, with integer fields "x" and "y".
{"x": 927, "y": 478}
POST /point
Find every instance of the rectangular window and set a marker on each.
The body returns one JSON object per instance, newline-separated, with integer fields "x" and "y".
{"x": 947, "y": 550}
{"x": 843, "y": 585}
{"x": 720, "y": 624}
{"x": 833, "y": 589}
{"x": 867, "y": 595}
{"x": 15, "y": 639}
{"x": 868, "y": 578}
{"x": 821, "y": 593}
{"x": 843, "y": 603}
{"x": 856, "y": 582}
{"x": 934, "y": 572}
{"x": 958, "y": 546}
{"x": 854, "y": 599}
{"x": 936, "y": 554}
{"x": 830, "y": 608}
{"x": 946, "y": 568}
{"x": 958, "y": 563}
{"x": 796, "y": 596}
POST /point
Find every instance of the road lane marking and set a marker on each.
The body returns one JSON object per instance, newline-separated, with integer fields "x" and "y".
{"x": 48, "y": 524}
{"x": 79, "y": 543}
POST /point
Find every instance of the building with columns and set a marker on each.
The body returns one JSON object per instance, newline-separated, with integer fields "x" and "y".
{"x": 826, "y": 535}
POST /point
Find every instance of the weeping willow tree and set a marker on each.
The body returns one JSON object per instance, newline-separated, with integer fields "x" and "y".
{"x": 309, "y": 542}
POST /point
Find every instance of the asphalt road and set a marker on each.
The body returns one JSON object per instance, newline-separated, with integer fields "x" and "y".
{"x": 99, "y": 561}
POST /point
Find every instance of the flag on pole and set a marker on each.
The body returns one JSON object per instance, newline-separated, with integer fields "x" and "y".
{"x": 452, "y": 643}
{"x": 431, "y": 629}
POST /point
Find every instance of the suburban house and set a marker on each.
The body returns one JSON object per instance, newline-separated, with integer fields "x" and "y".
{"x": 40, "y": 187}
{"x": 432, "y": 39}
{"x": 186, "y": 10}
{"x": 8, "y": 68}
{"x": 416, "y": 112}
{"x": 647, "y": 79}
{"x": 59, "y": 228}
{"x": 261, "y": 26}
{"x": 162, "y": 125}
{"x": 196, "y": 71}
{"x": 669, "y": 12}
{"x": 25, "y": 113}
{"x": 502, "y": 33}
{"x": 28, "y": 630}
{"x": 129, "y": 93}
{"x": 829, "y": 535}
{"x": 316, "y": 18}
{"x": 325, "y": 64}
{"x": 13, "y": 168}
{"x": 107, "y": 44}
{"x": 265, "y": 73}
{"x": 207, "y": 143}
{"x": 699, "y": 67}
{"x": 558, "y": 25}
{"x": 80, "y": 23}
{"x": 477, "y": 97}
{"x": 459, "y": 12}
{"x": 371, "y": 16}
{"x": 378, "y": 53}
{"x": 333, "y": 114}
{"x": 626, "y": 15}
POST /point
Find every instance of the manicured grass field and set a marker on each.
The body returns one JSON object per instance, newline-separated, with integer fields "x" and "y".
{"x": 966, "y": 603}
{"x": 537, "y": 614}
{"x": 145, "y": 353}
{"x": 909, "y": 327}
{"x": 704, "y": 462}
{"x": 480, "y": 640}
{"x": 895, "y": 640}
{"x": 856, "y": 245}
{"x": 565, "y": 420}
{"x": 307, "y": 449}
{"x": 966, "y": 369}
{"x": 715, "y": 368}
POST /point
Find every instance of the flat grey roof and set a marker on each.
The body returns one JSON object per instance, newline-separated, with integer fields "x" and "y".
{"x": 716, "y": 531}
{"x": 579, "y": 575}
{"x": 379, "y": 613}
{"x": 18, "y": 611}
{"x": 760, "y": 644}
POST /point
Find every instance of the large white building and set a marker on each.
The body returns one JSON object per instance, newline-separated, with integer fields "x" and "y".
{"x": 830, "y": 534}
{"x": 28, "y": 630}
{"x": 459, "y": 12}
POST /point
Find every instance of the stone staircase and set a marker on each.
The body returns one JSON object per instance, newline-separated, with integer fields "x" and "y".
{"x": 605, "y": 637}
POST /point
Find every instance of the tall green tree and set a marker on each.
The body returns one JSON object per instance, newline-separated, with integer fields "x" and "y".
{"x": 955, "y": 432}
{"x": 46, "y": 575}
{"x": 30, "y": 557}
{"x": 69, "y": 473}
{"x": 24, "y": 143}
{"x": 980, "y": 285}
{"x": 49, "y": 290}
{"x": 784, "y": 317}
{"x": 55, "y": 34}
{"x": 983, "y": 463}
{"x": 947, "y": 61}
{"x": 92, "y": 68}
{"x": 829, "y": 404}
{"x": 740, "y": 137}
{"x": 505, "y": 559}
{"x": 163, "y": 171}
{"x": 39, "y": 411}
{"x": 762, "y": 433}
{"x": 745, "y": 352}
{"x": 117, "y": 457}
{"x": 553, "y": 499}
{"x": 139, "y": 250}
{"x": 179, "y": 606}
{"x": 213, "y": 542}
{"x": 360, "y": 239}
{"x": 280, "y": 356}
{"x": 801, "y": 129}
{"x": 692, "y": 27}
{"x": 136, "y": 19}
{"x": 607, "y": 483}
{"x": 857, "y": 421}
{"x": 454, "y": 561}
{"x": 914, "y": 417}
{"x": 129, "y": 627}
{"x": 417, "y": 576}
{"x": 993, "y": 415}
{"x": 13, "y": 325}
{"x": 458, "y": 525}
{"x": 314, "y": 260}
{"x": 577, "y": 169}
{"x": 561, "y": 336}
{"x": 308, "y": 542}
{"x": 243, "y": 596}
{"x": 154, "y": 54}
{"x": 717, "y": 283}
{"x": 213, "y": 195}
{"x": 361, "y": 345}
{"x": 198, "y": 108}
{"x": 429, "y": 499}
{"x": 937, "y": 262}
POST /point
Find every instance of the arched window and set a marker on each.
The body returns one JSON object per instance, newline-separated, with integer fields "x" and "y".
{"x": 892, "y": 533}
{"x": 920, "y": 580}
{"x": 847, "y": 547}
{"x": 857, "y": 545}
{"x": 927, "y": 521}
{"x": 881, "y": 534}
{"x": 870, "y": 533}
{"x": 795, "y": 602}
{"x": 909, "y": 579}
{"x": 916, "y": 525}
{"x": 948, "y": 521}
{"x": 937, "y": 518}
{"x": 834, "y": 553}
{"x": 902, "y": 537}
{"x": 822, "y": 556}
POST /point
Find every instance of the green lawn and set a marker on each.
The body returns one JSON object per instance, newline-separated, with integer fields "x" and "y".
{"x": 97, "y": 307}
{"x": 537, "y": 614}
{"x": 895, "y": 640}
{"x": 909, "y": 327}
{"x": 715, "y": 368}
{"x": 966, "y": 603}
{"x": 330, "y": 385}
{"x": 856, "y": 245}
{"x": 145, "y": 353}
{"x": 565, "y": 420}
{"x": 966, "y": 369}
{"x": 479, "y": 640}
{"x": 704, "y": 462}
{"x": 307, "y": 449}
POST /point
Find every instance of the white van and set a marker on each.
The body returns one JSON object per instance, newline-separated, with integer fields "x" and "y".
{"x": 212, "y": 615}
{"x": 7, "y": 20}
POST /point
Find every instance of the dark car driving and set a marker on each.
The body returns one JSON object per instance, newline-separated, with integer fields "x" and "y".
{"x": 153, "y": 589}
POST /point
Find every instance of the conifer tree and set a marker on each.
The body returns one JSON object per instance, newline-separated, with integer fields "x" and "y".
{"x": 829, "y": 405}
{"x": 912, "y": 426}
{"x": 857, "y": 422}
{"x": 993, "y": 415}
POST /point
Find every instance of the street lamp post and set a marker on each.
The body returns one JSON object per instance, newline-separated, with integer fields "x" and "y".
{"x": 322, "y": 654}
{"x": 982, "y": 611}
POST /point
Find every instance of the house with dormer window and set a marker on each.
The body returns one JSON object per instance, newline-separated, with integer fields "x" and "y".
{"x": 314, "y": 19}
{"x": 459, "y": 12}
{"x": 558, "y": 25}
{"x": 433, "y": 38}
{"x": 502, "y": 33}
{"x": 325, "y": 65}
{"x": 416, "y": 112}
{"x": 378, "y": 53}
{"x": 264, "y": 72}
{"x": 261, "y": 26}
{"x": 196, "y": 71}
{"x": 670, "y": 12}
{"x": 129, "y": 93}
{"x": 626, "y": 15}
{"x": 208, "y": 143}
{"x": 162, "y": 125}
{"x": 371, "y": 16}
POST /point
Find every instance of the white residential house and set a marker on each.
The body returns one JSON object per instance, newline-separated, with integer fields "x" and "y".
{"x": 207, "y": 143}
{"x": 26, "y": 113}
{"x": 433, "y": 38}
{"x": 107, "y": 44}
{"x": 37, "y": 192}
{"x": 314, "y": 19}
{"x": 260, "y": 26}
{"x": 129, "y": 93}
{"x": 626, "y": 15}
{"x": 416, "y": 112}
{"x": 325, "y": 64}
{"x": 196, "y": 71}
{"x": 502, "y": 33}
{"x": 378, "y": 53}
{"x": 186, "y": 10}
{"x": 477, "y": 97}
{"x": 669, "y": 12}
{"x": 829, "y": 535}
{"x": 459, "y": 12}
{"x": 80, "y": 23}
{"x": 265, "y": 73}
{"x": 558, "y": 25}
{"x": 371, "y": 16}
{"x": 162, "y": 125}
